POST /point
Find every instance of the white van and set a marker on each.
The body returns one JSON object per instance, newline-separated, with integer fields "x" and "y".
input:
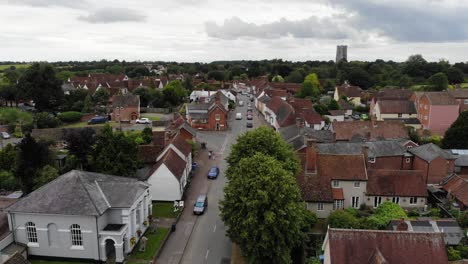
{"x": 241, "y": 103}
{"x": 239, "y": 116}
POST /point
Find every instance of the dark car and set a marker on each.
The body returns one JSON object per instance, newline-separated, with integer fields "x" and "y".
{"x": 213, "y": 173}
{"x": 200, "y": 205}
{"x": 97, "y": 120}
{"x": 249, "y": 124}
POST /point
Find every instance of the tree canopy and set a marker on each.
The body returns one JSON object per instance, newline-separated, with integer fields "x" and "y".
{"x": 456, "y": 137}
{"x": 386, "y": 212}
{"x": 174, "y": 93}
{"x": 438, "y": 81}
{"x": 310, "y": 87}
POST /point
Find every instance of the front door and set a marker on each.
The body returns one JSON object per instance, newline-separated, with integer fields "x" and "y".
{"x": 217, "y": 126}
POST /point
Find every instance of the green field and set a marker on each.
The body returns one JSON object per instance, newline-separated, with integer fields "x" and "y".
{"x": 152, "y": 118}
{"x": 4, "y": 67}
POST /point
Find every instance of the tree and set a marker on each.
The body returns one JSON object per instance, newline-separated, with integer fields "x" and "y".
{"x": 114, "y": 153}
{"x": 262, "y": 209}
{"x": 8, "y": 181}
{"x": 31, "y": 157}
{"x": 386, "y": 212}
{"x": 75, "y": 100}
{"x": 188, "y": 84}
{"x": 216, "y": 75}
{"x": 174, "y": 93}
{"x": 310, "y": 87}
{"x": 101, "y": 97}
{"x": 145, "y": 96}
{"x": 40, "y": 84}
{"x": 405, "y": 81}
{"x": 438, "y": 81}
{"x": 342, "y": 219}
{"x": 147, "y": 135}
{"x": 295, "y": 77}
{"x": 45, "y": 175}
{"x": 266, "y": 141}
{"x": 7, "y": 158}
{"x": 455, "y": 75}
{"x": 457, "y": 134}
{"x": 45, "y": 120}
{"x": 277, "y": 78}
{"x": 80, "y": 143}
{"x": 87, "y": 104}
{"x": 14, "y": 117}
{"x": 333, "y": 105}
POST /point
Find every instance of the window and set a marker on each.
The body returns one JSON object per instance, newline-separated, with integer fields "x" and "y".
{"x": 413, "y": 200}
{"x": 138, "y": 214}
{"x": 466, "y": 101}
{"x": 338, "y": 204}
{"x": 217, "y": 116}
{"x": 425, "y": 117}
{"x": 408, "y": 160}
{"x": 400, "y": 115}
{"x": 357, "y": 184}
{"x": 31, "y": 232}
{"x": 336, "y": 183}
{"x": 371, "y": 160}
{"x": 355, "y": 201}
{"x": 76, "y": 237}
{"x": 319, "y": 206}
{"x": 396, "y": 200}
{"x": 377, "y": 201}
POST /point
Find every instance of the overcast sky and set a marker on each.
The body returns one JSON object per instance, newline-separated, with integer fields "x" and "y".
{"x": 207, "y": 30}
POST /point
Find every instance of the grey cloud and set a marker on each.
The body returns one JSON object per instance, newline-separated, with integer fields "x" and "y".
{"x": 113, "y": 15}
{"x": 312, "y": 27}
{"x": 423, "y": 21}
{"x": 46, "y": 3}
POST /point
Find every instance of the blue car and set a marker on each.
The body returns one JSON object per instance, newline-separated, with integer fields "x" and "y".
{"x": 213, "y": 173}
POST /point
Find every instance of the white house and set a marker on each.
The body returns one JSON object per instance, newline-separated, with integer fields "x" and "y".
{"x": 229, "y": 95}
{"x": 82, "y": 215}
{"x": 169, "y": 175}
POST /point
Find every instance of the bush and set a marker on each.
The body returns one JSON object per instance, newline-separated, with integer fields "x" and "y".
{"x": 434, "y": 212}
{"x": 463, "y": 220}
{"x": 453, "y": 254}
{"x": 342, "y": 219}
{"x": 385, "y": 213}
{"x": 45, "y": 120}
{"x": 8, "y": 181}
{"x": 70, "y": 117}
{"x": 413, "y": 213}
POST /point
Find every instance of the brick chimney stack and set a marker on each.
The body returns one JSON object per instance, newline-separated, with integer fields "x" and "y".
{"x": 311, "y": 155}
{"x": 402, "y": 225}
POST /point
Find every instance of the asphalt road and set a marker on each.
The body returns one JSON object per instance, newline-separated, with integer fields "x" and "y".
{"x": 208, "y": 242}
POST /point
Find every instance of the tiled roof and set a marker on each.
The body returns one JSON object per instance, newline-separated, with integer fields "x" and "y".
{"x": 291, "y": 87}
{"x": 369, "y": 130}
{"x": 396, "y": 107}
{"x": 313, "y": 187}
{"x": 128, "y": 100}
{"x": 350, "y": 246}
{"x": 149, "y": 153}
{"x": 349, "y": 90}
{"x": 90, "y": 194}
{"x": 283, "y": 111}
{"x": 381, "y": 148}
{"x": 396, "y": 183}
{"x": 440, "y": 98}
{"x": 393, "y": 94}
{"x": 461, "y": 161}
{"x": 337, "y": 112}
{"x": 173, "y": 162}
{"x": 342, "y": 167}
{"x": 337, "y": 194}
{"x": 181, "y": 144}
{"x": 312, "y": 117}
{"x": 300, "y": 104}
{"x": 276, "y": 92}
{"x": 345, "y": 105}
{"x": 429, "y": 152}
{"x": 457, "y": 186}
{"x": 458, "y": 93}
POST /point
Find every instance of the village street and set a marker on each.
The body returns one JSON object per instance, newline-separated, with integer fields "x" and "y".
{"x": 202, "y": 239}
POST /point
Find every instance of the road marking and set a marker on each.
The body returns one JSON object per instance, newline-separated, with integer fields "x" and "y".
{"x": 206, "y": 255}
{"x": 223, "y": 147}
{"x": 214, "y": 228}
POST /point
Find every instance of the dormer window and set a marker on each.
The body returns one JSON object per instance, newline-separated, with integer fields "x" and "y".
{"x": 371, "y": 160}
{"x": 336, "y": 183}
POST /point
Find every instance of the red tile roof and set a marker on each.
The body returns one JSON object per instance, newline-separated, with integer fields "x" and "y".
{"x": 149, "y": 153}
{"x": 275, "y": 92}
{"x": 392, "y": 247}
{"x": 300, "y": 104}
{"x": 173, "y": 162}
{"x": 290, "y": 87}
{"x": 396, "y": 183}
{"x": 313, "y": 187}
{"x": 181, "y": 144}
{"x": 285, "y": 115}
{"x": 370, "y": 130}
{"x": 396, "y": 107}
{"x": 312, "y": 117}
{"x": 337, "y": 194}
{"x": 458, "y": 93}
{"x": 440, "y": 98}
{"x": 457, "y": 186}
{"x": 349, "y": 90}
{"x": 342, "y": 167}
{"x": 393, "y": 94}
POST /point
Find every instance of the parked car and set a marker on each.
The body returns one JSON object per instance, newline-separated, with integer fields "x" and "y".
{"x": 194, "y": 166}
{"x": 213, "y": 173}
{"x": 241, "y": 103}
{"x": 143, "y": 120}
{"x": 249, "y": 116}
{"x": 200, "y": 205}
{"x": 97, "y": 120}
{"x": 5, "y": 135}
{"x": 239, "y": 116}
{"x": 249, "y": 125}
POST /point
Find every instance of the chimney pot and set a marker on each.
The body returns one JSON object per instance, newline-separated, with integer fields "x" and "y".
{"x": 402, "y": 225}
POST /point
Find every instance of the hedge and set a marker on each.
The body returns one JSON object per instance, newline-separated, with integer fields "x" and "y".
{"x": 70, "y": 117}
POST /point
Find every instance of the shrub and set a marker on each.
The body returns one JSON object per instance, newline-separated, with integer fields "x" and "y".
{"x": 45, "y": 120}
{"x": 413, "y": 213}
{"x": 70, "y": 117}
{"x": 8, "y": 181}
{"x": 453, "y": 254}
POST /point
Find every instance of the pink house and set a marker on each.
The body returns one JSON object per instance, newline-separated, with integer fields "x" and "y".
{"x": 437, "y": 111}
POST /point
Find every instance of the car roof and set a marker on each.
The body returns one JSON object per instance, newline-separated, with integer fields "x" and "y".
{"x": 201, "y": 198}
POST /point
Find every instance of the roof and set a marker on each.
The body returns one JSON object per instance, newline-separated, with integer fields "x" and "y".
{"x": 313, "y": 187}
{"x": 181, "y": 144}
{"x": 458, "y": 93}
{"x": 369, "y": 130}
{"x": 429, "y": 152}
{"x": 312, "y": 117}
{"x": 337, "y": 194}
{"x": 17, "y": 258}
{"x": 300, "y": 104}
{"x": 349, "y": 246}
{"x": 276, "y": 92}
{"x": 337, "y": 112}
{"x": 452, "y": 231}
{"x": 393, "y": 94}
{"x": 290, "y": 87}
{"x": 195, "y": 106}
{"x": 396, "y": 107}
{"x": 127, "y": 100}
{"x": 461, "y": 161}
{"x": 381, "y": 148}
{"x": 296, "y": 136}
{"x": 283, "y": 111}
{"x": 404, "y": 183}
{"x": 342, "y": 167}
{"x": 90, "y": 193}
{"x": 457, "y": 186}
{"x": 345, "y": 105}
{"x": 173, "y": 162}
{"x": 349, "y": 90}
{"x": 440, "y": 98}
{"x": 406, "y": 121}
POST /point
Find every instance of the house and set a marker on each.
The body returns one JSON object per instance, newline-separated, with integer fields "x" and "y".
{"x": 200, "y": 95}
{"x": 352, "y": 93}
{"x": 437, "y": 111}
{"x": 278, "y": 113}
{"x": 336, "y": 115}
{"x": 113, "y": 83}
{"x": 283, "y": 94}
{"x": 125, "y": 107}
{"x": 297, "y": 136}
{"x": 449, "y": 227}
{"x": 461, "y": 97}
{"x": 456, "y": 187}
{"x": 394, "y": 109}
{"x": 369, "y": 130}
{"x": 312, "y": 119}
{"x": 207, "y": 116}
{"x": 229, "y": 94}
{"x": 351, "y": 246}
{"x": 347, "y": 107}
{"x": 8, "y": 247}
{"x": 289, "y": 88}
{"x": 180, "y": 126}
{"x": 82, "y": 215}
{"x": 461, "y": 162}
{"x": 389, "y": 95}
{"x": 261, "y": 101}
{"x": 435, "y": 162}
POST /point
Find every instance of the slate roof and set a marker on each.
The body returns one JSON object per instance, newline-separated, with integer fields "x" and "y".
{"x": 457, "y": 186}
{"x": 461, "y": 161}
{"x": 440, "y": 98}
{"x": 81, "y": 193}
{"x": 381, "y": 148}
{"x": 369, "y": 130}
{"x": 429, "y": 152}
{"x": 296, "y": 135}
{"x": 198, "y": 107}
{"x": 350, "y": 246}
{"x": 127, "y": 100}
{"x": 396, "y": 107}
{"x": 396, "y": 183}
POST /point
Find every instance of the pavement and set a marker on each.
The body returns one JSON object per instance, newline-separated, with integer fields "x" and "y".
{"x": 202, "y": 239}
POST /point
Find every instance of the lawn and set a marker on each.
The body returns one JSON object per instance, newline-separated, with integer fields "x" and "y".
{"x": 7, "y": 66}
{"x": 152, "y": 118}
{"x": 152, "y": 246}
{"x": 164, "y": 210}
{"x": 37, "y": 261}
{"x": 85, "y": 124}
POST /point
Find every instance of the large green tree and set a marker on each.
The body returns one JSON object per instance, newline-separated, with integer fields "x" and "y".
{"x": 174, "y": 93}
{"x": 114, "y": 153}
{"x": 40, "y": 84}
{"x": 80, "y": 143}
{"x": 455, "y": 75}
{"x": 266, "y": 141}
{"x": 438, "y": 82}
{"x": 456, "y": 137}
{"x": 262, "y": 209}
{"x": 310, "y": 87}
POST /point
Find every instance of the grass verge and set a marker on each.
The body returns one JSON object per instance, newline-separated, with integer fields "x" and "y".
{"x": 152, "y": 246}
{"x": 164, "y": 210}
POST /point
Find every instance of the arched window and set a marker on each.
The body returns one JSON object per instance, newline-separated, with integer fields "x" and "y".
{"x": 31, "y": 232}
{"x": 76, "y": 237}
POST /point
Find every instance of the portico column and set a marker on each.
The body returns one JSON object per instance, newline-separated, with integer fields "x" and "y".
{"x": 119, "y": 254}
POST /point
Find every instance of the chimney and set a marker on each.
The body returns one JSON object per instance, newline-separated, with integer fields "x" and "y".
{"x": 299, "y": 122}
{"x": 311, "y": 155}
{"x": 402, "y": 225}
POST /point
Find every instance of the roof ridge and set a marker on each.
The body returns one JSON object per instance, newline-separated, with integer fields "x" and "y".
{"x": 383, "y": 231}
{"x": 102, "y": 193}
{"x": 79, "y": 175}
